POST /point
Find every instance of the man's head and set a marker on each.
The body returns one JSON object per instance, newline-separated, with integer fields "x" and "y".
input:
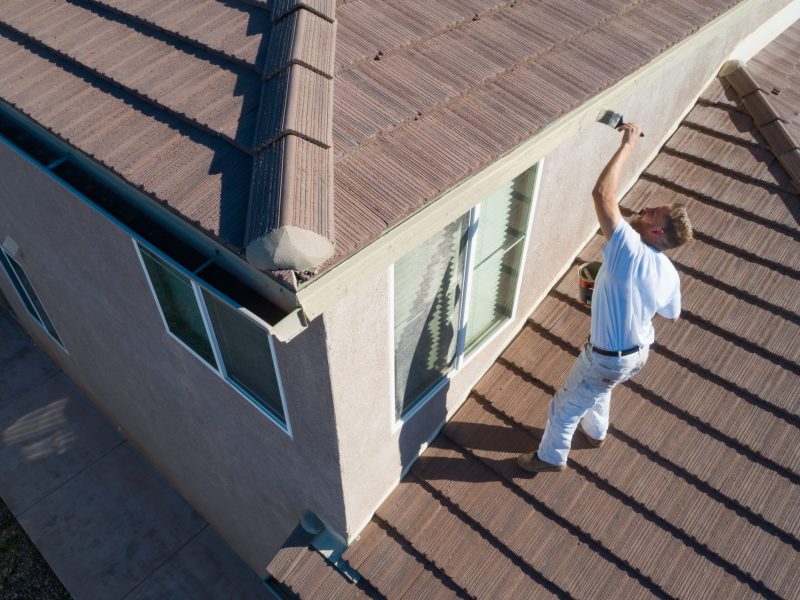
{"x": 663, "y": 227}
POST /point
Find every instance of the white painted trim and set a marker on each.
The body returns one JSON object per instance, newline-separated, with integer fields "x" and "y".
{"x": 760, "y": 38}
{"x": 212, "y": 338}
{"x": 466, "y": 288}
{"x": 219, "y": 370}
{"x": 281, "y": 390}
{"x": 395, "y": 422}
{"x": 37, "y": 318}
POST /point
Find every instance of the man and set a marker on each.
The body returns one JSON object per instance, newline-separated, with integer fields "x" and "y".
{"x": 635, "y": 282}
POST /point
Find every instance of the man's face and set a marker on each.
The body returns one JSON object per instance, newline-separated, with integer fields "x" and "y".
{"x": 650, "y": 221}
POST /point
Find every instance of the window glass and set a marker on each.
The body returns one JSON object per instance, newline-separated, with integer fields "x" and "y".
{"x": 431, "y": 335}
{"x": 28, "y": 295}
{"x": 427, "y": 303}
{"x": 494, "y": 283}
{"x": 502, "y": 221}
{"x": 245, "y": 351}
{"x": 179, "y": 305}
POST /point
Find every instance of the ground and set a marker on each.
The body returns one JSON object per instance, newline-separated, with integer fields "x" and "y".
{"x": 24, "y": 574}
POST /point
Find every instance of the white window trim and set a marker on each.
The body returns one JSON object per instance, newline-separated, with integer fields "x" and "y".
{"x": 37, "y": 318}
{"x": 219, "y": 370}
{"x": 461, "y": 361}
{"x": 526, "y": 244}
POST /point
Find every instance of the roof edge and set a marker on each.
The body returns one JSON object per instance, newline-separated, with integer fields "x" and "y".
{"x": 290, "y": 224}
{"x": 767, "y": 119}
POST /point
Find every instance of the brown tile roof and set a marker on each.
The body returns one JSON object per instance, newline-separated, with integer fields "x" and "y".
{"x": 769, "y": 86}
{"x": 195, "y": 101}
{"x": 185, "y": 100}
{"x": 428, "y": 92}
{"x": 696, "y": 493}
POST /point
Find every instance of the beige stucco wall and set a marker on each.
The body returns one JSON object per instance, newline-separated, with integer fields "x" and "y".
{"x": 374, "y": 452}
{"x": 237, "y": 468}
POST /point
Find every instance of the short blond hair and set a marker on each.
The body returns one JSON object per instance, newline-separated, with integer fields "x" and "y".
{"x": 679, "y": 229}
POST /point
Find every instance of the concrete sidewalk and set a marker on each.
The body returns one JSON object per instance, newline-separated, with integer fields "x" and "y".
{"x": 107, "y": 523}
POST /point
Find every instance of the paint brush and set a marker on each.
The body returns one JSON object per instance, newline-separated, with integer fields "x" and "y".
{"x": 613, "y": 119}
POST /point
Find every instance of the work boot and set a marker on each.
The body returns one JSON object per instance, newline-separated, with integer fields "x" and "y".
{"x": 593, "y": 442}
{"x": 532, "y": 463}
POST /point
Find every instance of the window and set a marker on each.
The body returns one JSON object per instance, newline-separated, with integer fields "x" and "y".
{"x": 456, "y": 290}
{"x": 235, "y": 346}
{"x": 179, "y": 307}
{"x": 28, "y": 296}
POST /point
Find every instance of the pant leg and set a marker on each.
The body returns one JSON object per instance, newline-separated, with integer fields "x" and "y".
{"x": 618, "y": 370}
{"x": 565, "y": 411}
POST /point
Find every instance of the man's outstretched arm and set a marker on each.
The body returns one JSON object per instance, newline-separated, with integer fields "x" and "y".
{"x": 607, "y": 187}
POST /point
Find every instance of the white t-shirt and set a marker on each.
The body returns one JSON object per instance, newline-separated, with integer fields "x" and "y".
{"x": 635, "y": 282}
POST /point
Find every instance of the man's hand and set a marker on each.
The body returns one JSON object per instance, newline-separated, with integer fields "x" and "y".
{"x": 607, "y": 186}
{"x": 630, "y": 134}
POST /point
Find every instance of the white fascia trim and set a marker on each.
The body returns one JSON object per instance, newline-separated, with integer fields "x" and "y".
{"x": 320, "y": 293}
{"x": 760, "y": 38}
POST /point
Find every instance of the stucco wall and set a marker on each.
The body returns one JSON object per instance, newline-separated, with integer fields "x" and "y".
{"x": 373, "y": 452}
{"x": 244, "y": 474}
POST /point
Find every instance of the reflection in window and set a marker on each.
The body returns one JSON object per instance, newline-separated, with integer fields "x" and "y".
{"x": 245, "y": 352}
{"x": 427, "y": 302}
{"x": 475, "y": 261}
{"x": 178, "y": 305}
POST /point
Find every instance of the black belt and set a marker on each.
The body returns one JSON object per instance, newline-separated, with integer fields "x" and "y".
{"x": 617, "y": 353}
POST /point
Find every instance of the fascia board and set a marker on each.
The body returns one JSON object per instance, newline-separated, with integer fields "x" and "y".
{"x": 323, "y": 291}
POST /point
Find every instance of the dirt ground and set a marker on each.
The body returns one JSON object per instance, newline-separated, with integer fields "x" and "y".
{"x": 24, "y": 574}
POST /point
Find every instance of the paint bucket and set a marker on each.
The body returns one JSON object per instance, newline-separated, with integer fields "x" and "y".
{"x": 586, "y": 276}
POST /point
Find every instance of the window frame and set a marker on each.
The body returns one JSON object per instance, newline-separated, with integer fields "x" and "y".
{"x": 198, "y": 285}
{"x": 462, "y": 359}
{"x": 27, "y": 301}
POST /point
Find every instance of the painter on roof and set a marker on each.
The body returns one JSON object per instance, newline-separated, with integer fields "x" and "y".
{"x": 636, "y": 282}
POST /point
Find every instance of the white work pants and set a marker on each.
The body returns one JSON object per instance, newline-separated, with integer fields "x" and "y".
{"x": 585, "y": 397}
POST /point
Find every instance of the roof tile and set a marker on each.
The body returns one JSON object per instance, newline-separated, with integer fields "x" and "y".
{"x": 231, "y": 29}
